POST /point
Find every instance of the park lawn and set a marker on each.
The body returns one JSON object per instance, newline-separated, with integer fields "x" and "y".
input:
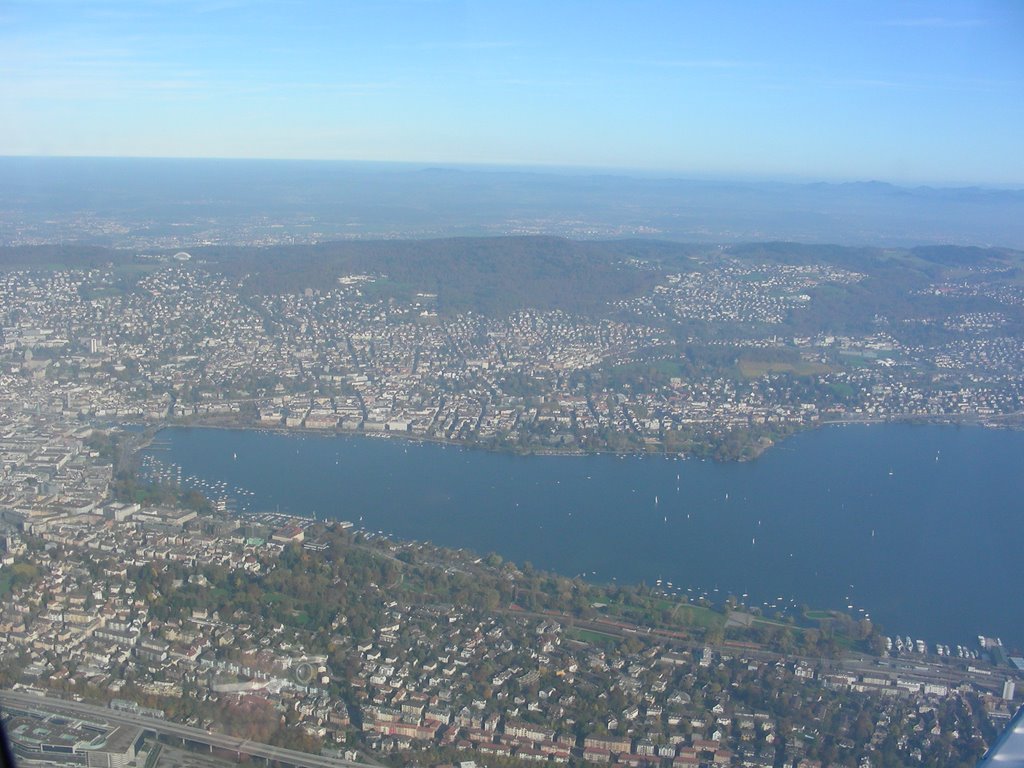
{"x": 753, "y": 369}
{"x": 699, "y": 616}
{"x": 592, "y": 637}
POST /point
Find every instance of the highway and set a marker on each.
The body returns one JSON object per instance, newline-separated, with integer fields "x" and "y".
{"x": 166, "y": 728}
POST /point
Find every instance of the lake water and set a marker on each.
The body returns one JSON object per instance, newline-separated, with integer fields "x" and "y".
{"x": 918, "y": 526}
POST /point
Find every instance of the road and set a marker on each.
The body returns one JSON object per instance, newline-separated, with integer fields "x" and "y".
{"x": 286, "y": 757}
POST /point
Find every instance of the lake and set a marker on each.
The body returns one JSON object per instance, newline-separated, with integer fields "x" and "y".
{"x": 918, "y": 527}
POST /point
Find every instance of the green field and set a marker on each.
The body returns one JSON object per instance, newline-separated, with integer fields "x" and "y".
{"x": 698, "y": 616}
{"x": 753, "y": 369}
{"x": 592, "y": 637}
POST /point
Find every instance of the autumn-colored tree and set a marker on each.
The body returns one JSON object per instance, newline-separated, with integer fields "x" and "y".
{"x": 249, "y": 717}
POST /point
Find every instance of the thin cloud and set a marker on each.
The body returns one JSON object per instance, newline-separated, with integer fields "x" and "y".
{"x": 349, "y": 88}
{"x": 705, "y": 64}
{"x": 219, "y": 6}
{"x": 866, "y": 82}
{"x": 461, "y": 45}
{"x": 921, "y": 82}
{"x": 936, "y": 22}
{"x": 521, "y": 82}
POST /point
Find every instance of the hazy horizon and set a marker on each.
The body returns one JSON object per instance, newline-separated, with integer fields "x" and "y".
{"x": 911, "y": 93}
{"x": 624, "y": 172}
{"x": 145, "y": 202}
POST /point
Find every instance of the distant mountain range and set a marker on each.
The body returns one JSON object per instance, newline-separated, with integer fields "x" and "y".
{"x": 132, "y": 202}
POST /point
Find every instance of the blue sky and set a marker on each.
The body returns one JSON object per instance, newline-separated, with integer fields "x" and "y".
{"x": 907, "y": 92}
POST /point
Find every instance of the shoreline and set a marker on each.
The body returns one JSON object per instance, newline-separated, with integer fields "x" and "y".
{"x": 970, "y": 420}
{"x": 385, "y": 528}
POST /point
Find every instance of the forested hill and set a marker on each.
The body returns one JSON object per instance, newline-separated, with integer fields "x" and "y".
{"x": 498, "y": 275}
{"x": 488, "y": 275}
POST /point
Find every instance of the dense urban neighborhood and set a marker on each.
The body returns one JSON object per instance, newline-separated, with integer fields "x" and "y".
{"x": 324, "y": 638}
{"x": 719, "y": 361}
{"x": 139, "y": 602}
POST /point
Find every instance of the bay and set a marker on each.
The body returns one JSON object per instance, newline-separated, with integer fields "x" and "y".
{"x": 918, "y": 527}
